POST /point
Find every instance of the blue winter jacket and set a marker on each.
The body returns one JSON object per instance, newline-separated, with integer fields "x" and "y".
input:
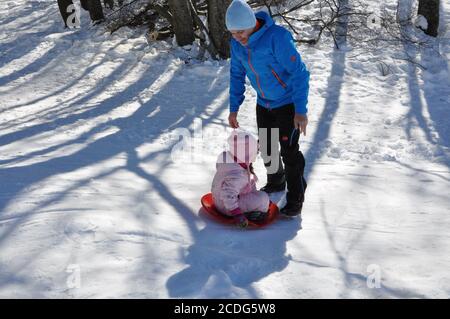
{"x": 273, "y": 66}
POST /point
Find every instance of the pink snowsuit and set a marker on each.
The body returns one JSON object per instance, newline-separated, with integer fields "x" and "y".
{"x": 234, "y": 187}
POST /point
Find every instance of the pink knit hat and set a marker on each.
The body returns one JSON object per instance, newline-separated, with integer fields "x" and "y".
{"x": 243, "y": 146}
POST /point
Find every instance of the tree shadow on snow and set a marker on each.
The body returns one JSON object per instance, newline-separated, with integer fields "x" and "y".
{"x": 344, "y": 249}
{"x": 436, "y": 81}
{"x": 131, "y": 132}
{"x": 332, "y": 104}
{"x": 225, "y": 261}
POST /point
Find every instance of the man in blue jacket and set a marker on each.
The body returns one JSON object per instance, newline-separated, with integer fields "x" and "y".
{"x": 266, "y": 54}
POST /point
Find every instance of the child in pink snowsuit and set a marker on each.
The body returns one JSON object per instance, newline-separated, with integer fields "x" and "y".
{"x": 234, "y": 184}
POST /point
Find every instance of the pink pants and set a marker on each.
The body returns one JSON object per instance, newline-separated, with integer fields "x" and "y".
{"x": 250, "y": 202}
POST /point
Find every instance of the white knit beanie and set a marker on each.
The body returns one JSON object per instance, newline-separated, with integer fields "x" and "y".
{"x": 240, "y": 16}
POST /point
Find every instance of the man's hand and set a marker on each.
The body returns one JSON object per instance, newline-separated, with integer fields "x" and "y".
{"x": 300, "y": 122}
{"x": 232, "y": 120}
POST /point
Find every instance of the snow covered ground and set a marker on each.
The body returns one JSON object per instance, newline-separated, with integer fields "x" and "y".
{"x": 93, "y": 205}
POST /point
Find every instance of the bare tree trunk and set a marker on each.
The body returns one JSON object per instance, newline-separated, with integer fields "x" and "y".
{"x": 84, "y": 4}
{"x": 430, "y": 10}
{"x": 342, "y": 23}
{"x": 216, "y": 24}
{"x": 95, "y": 9}
{"x": 109, "y": 3}
{"x": 183, "y": 24}
{"x": 93, "y": 6}
{"x": 63, "y": 7}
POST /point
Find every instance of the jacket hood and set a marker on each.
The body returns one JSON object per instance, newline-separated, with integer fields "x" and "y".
{"x": 226, "y": 162}
{"x": 268, "y": 22}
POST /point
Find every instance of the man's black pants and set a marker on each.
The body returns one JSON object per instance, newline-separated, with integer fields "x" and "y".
{"x": 282, "y": 118}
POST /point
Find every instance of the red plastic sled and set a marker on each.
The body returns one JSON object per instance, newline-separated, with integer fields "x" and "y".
{"x": 208, "y": 205}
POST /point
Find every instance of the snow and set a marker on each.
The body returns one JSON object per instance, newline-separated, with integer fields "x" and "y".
{"x": 421, "y": 22}
{"x": 89, "y": 187}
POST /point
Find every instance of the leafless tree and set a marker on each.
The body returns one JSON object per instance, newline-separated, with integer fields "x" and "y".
{"x": 216, "y": 22}
{"x": 430, "y": 10}
{"x": 182, "y": 22}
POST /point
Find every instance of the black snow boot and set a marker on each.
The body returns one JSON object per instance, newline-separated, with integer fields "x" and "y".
{"x": 294, "y": 203}
{"x": 296, "y": 187}
{"x": 275, "y": 182}
{"x": 256, "y": 216}
{"x": 292, "y": 209}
